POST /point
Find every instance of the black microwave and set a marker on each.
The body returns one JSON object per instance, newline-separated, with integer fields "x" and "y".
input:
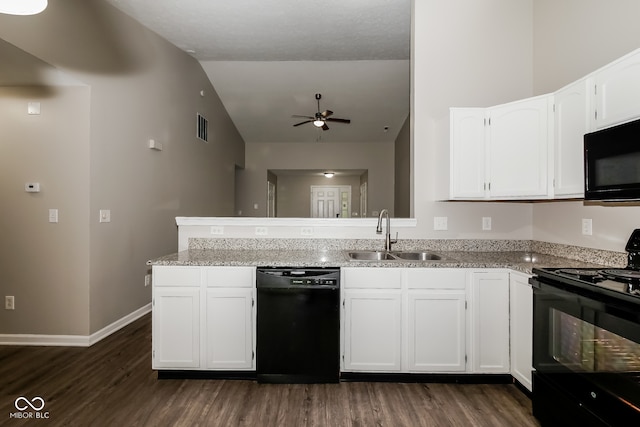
{"x": 612, "y": 163}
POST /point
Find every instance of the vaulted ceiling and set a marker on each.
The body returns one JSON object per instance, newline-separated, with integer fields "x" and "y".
{"x": 268, "y": 58}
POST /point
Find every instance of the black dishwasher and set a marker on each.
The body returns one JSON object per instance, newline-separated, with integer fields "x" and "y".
{"x": 298, "y": 325}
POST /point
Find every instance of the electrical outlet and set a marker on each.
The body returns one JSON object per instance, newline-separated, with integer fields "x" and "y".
{"x": 261, "y": 231}
{"x": 587, "y": 227}
{"x": 440, "y": 223}
{"x": 486, "y": 223}
{"x": 217, "y": 229}
{"x": 147, "y": 280}
{"x": 306, "y": 231}
{"x": 9, "y": 302}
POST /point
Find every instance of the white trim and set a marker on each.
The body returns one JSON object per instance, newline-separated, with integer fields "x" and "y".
{"x": 119, "y": 324}
{"x": 74, "y": 340}
{"x": 292, "y": 222}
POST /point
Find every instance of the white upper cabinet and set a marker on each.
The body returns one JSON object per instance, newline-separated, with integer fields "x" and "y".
{"x": 468, "y": 153}
{"x": 518, "y": 148}
{"x": 501, "y": 152}
{"x": 617, "y": 90}
{"x": 533, "y": 148}
{"x": 573, "y": 112}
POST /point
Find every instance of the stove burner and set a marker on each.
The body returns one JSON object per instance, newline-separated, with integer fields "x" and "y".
{"x": 583, "y": 274}
{"x": 622, "y": 274}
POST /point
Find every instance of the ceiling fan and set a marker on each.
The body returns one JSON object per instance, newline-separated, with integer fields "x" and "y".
{"x": 320, "y": 120}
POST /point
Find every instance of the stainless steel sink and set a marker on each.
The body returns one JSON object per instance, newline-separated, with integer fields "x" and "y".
{"x": 373, "y": 255}
{"x": 417, "y": 256}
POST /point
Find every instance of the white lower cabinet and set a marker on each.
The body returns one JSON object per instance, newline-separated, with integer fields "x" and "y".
{"x": 490, "y": 322}
{"x": 372, "y": 330}
{"x": 436, "y": 331}
{"x": 404, "y": 320}
{"x": 176, "y": 327}
{"x": 229, "y": 317}
{"x": 521, "y": 329}
{"x": 203, "y": 318}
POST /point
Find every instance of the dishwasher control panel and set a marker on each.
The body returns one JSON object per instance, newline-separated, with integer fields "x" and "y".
{"x": 332, "y": 282}
{"x": 297, "y": 277}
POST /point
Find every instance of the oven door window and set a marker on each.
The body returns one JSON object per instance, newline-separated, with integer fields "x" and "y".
{"x": 584, "y": 347}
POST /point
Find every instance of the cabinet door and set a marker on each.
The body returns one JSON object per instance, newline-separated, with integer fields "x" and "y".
{"x": 436, "y": 331}
{"x": 618, "y": 91}
{"x": 518, "y": 149}
{"x": 521, "y": 329}
{"x": 467, "y": 153}
{"x": 229, "y": 328}
{"x": 572, "y": 121}
{"x": 372, "y": 330}
{"x": 490, "y": 322}
{"x": 176, "y": 327}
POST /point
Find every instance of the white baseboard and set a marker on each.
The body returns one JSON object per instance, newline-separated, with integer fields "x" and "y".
{"x": 74, "y": 340}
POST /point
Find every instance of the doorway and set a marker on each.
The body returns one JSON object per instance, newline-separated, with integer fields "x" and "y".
{"x": 330, "y": 201}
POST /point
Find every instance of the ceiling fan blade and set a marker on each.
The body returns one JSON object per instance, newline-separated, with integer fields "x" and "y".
{"x": 301, "y": 123}
{"x": 325, "y": 127}
{"x": 304, "y": 117}
{"x": 326, "y": 113}
{"x": 339, "y": 120}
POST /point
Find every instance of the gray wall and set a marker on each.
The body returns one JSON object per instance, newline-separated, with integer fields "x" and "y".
{"x": 402, "y": 172}
{"x": 138, "y": 87}
{"x": 377, "y": 158}
{"x": 571, "y": 39}
{"x": 45, "y": 266}
{"x": 466, "y": 53}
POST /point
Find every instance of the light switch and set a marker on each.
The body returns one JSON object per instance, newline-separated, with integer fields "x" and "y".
{"x": 105, "y": 215}
{"x": 53, "y": 215}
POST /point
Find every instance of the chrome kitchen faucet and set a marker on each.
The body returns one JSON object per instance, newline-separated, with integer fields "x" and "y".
{"x": 387, "y": 241}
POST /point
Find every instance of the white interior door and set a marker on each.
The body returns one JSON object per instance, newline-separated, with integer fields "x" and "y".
{"x": 271, "y": 199}
{"x": 363, "y": 199}
{"x": 330, "y": 202}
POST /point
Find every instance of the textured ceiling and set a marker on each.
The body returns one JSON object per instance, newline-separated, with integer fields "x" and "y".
{"x": 279, "y": 30}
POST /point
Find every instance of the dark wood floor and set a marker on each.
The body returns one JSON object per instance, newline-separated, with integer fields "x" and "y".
{"x": 112, "y": 384}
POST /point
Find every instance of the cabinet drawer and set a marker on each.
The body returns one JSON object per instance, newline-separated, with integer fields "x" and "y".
{"x": 372, "y": 278}
{"x": 176, "y": 276}
{"x": 230, "y": 277}
{"x": 436, "y": 278}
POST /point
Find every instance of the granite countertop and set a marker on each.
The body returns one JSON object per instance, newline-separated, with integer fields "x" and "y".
{"x": 522, "y": 261}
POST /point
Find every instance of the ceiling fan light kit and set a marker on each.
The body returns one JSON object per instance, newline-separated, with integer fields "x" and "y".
{"x": 22, "y": 7}
{"x": 320, "y": 119}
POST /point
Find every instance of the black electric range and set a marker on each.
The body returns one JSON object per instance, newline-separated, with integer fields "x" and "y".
{"x": 611, "y": 283}
{"x": 586, "y": 343}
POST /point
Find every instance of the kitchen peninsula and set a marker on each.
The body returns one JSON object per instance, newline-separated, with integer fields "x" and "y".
{"x": 467, "y": 313}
